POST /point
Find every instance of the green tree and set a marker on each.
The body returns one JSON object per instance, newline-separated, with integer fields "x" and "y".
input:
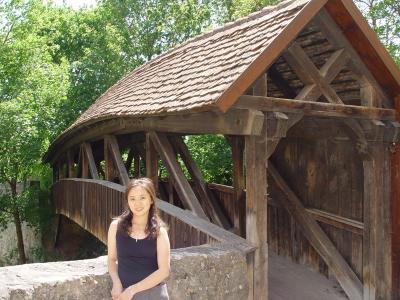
{"x": 212, "y": 155}
{"x": 384, "y": 17}
{"x": 32, "y": 87}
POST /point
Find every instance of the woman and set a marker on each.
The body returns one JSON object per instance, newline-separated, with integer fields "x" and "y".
{"x": 139, "y": 242}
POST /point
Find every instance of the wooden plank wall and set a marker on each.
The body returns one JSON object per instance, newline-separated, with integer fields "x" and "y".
{"x": 327, "y": 175}
{"x": 93, "y": 205}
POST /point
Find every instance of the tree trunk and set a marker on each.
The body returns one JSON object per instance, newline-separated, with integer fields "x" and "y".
{"x": 18, "y": 228}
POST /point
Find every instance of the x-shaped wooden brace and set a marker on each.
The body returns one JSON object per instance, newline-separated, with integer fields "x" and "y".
{"x": 316, "y": 81}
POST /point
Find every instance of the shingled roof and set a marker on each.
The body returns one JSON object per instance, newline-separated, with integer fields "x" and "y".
{"x": 196, "y": 73}
{"x": 213, "y": 69}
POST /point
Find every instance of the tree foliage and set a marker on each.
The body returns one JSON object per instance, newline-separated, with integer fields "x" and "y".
{"x": 384, "y": 17}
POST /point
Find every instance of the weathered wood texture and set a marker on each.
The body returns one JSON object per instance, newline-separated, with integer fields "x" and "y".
{"x": 349, "y": 281}
{"x": 257, "y": 210}
{"x": 93, "y": 203}
{"x": 377, "y": 215}
{"x": 395, "y": 208}
{"x": 206, "y": 199}
{"x": 182, "y": 186}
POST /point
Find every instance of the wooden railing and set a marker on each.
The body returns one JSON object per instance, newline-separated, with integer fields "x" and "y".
{"x": 93, "y": 203}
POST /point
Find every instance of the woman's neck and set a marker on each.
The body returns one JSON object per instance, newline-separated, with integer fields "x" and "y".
{"x": 139, "y": 222}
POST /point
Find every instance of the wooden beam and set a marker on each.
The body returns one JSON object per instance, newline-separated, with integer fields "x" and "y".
{"x": 136, "y": 166}
{"x": 257, "y": 210}
{"x": 84, "y": 163}
{"x": 108, "y": 163}
{"x": 336, "y": 221}
{"x": 182, "y": 186}
{"x": 317, "y": 109}
{"x": 315, "y": 83}
{"x": 278, "y": 124}
{"x": 87, "y": 148}
{"x": 210, "y": 202}
{"x": 369, "y": 96}
{"x": 151, "y": 161}
{"x": 236, "y": 122}
{"x": 318, "y": 239}
{"x": 110, "y": 142}
{"x": 70, "y": 163}
{"x": 61, "y": 173}
{"x": 271, "y": 52}
{"x": 216, "y": 232}
{"x": 128, "y": 163}
{"x": 260, "y": 87}
{"x": 335, "y": 36}
{"x": 281, "y": 83}
{"x": 377, "y": 264}
{"x": 237, "y": 147}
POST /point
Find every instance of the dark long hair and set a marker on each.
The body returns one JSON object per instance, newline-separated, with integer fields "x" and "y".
{"x": 154, "y": 222}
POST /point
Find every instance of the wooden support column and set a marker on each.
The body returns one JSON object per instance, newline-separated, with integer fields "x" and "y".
{"x": 377, "y": 264}
{"x": 256, "y": 212}
{"x": 136, "y": 166}
{"x": 128, "y": 163}
{"x": 395, "y": 208}
{"x": 84, "y": 163}
{"x": 237, "y": 146}
{"x": 61, "y": 173}
{"x": 70, "y": 164}
{"x": 151, "y": 161}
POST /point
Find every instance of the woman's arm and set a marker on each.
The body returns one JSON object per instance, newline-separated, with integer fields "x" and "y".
{"x": 163, "y": 260}
{"x": 112, "y": 260}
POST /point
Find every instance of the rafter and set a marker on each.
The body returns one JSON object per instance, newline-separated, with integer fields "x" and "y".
{"x": 316, "y": 81}
{"x": 332, "y": 32}
{"x": 281, "y": 83}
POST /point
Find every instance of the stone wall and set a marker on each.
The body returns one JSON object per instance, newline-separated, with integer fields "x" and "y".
{"x": 215, "y": 272}
{"x": 8, "y": 239}
{"x": 8, "y": 244}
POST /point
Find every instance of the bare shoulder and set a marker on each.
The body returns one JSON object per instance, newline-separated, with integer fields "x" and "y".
{"x": 163, "y": 233}
{"x": 114, "y": 224}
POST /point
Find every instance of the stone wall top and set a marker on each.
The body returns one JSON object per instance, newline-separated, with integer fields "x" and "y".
{"x": 201, "y": 272}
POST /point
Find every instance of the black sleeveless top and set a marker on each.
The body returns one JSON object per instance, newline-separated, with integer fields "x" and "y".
{"x": 136, "y": 259}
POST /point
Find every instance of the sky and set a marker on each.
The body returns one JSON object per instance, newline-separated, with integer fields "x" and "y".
{"x": 76, "y": 4}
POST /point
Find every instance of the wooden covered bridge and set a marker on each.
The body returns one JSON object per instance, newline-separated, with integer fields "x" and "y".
{"x": 306, "y": 96}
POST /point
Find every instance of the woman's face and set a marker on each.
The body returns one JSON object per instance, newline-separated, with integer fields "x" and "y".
{"x": 139, "y": 201}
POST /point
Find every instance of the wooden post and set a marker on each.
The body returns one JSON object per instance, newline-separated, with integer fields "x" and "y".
{"x": 256, "y": 210}
{"x": 395, "y": 207}
{"x": 377, "y": 264}
{"x": 108, "y": 162}
{"x": 70, "y": 163}
{"x": 61, "y": 170}
{"x": 136, "y": 166}
{"x": 151, "y": 161}
{"x": 237, "y": 146}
